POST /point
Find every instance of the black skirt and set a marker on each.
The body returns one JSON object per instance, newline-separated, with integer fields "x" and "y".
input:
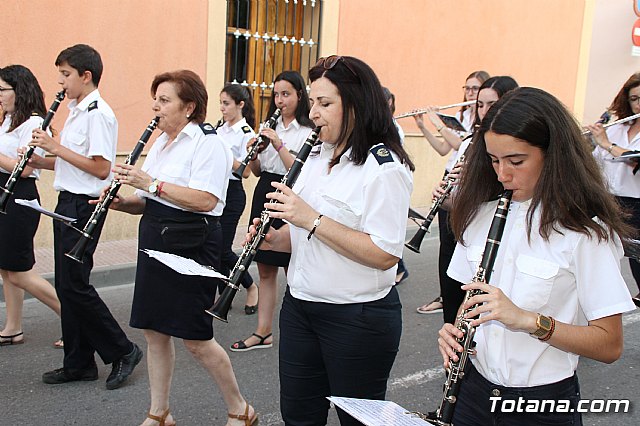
{"x": 164, "y": 300}
{"x": 263, "y": 187}
{"x": 18, "y": 227}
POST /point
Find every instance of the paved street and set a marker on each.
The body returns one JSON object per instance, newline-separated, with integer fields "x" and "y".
{"x": 415, "y": 384}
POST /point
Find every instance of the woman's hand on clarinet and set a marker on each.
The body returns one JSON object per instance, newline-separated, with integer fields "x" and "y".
{"x": 496, "y": 306}
{"x": 448, "y": 343}
{"x": 127, "y": 174}
{"x": 36, "y": 161}
{"x": 273, "y": 137}
{"x": 290, "y": 207}
{"x": 116, "y": 203}
{"x": 438, "y": 190}
{"x": 272, "y": 241}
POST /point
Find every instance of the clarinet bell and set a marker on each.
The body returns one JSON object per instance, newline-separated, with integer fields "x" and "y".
{"x": 77, "y": 252}
{"x": 4, "y": 200}
{"x": 416, "y": 241}
{"x": 221, "y": 307}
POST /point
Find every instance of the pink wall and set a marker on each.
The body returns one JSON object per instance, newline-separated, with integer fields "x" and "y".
{"x": 136, "y": 40}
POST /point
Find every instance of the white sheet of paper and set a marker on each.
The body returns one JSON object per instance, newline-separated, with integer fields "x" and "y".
{"x": 34, "y": 204}
{"x": 183, "y": 265}
{"x": 377, "y": 413}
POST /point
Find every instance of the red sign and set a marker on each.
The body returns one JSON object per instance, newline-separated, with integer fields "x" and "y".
{"x": 635, "y": 33}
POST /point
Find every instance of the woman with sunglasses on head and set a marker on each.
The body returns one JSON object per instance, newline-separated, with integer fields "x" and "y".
{"x": 346, "y": 216}
{"x": 293, "y": 126}
{"x": 238, "y": 113}
{"x": 449, "y": 142}
{"x": 556, "y": 292}
{"x": 22, "y": 101}
{"x": 623, "y": 181}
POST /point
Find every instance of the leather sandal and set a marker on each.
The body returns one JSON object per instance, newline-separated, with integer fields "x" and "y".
{"x": 241, "y": 346}
{"x": 248, "y": 421}
{"x": 161, "y": 419}
{"x": 10, "y": 340}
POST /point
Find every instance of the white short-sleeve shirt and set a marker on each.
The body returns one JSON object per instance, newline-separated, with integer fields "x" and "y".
{"x": 622, "y": 182}
{"x": 91, "y": 130}
{"x": 292, "y": 137}
{"x": 571, "y": 278}
{"x": 372, "y": 198}
{"x": 19, "y": 137}
{"x": 236, "y": 138}
{"x": 194, "y": 160}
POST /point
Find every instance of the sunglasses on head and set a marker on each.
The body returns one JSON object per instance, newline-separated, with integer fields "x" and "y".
{"x": 331, "y": 61}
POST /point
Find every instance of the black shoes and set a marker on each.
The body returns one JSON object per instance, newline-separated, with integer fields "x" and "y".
{"x": 123, "y": 368}
{"x": 63, "y": 375}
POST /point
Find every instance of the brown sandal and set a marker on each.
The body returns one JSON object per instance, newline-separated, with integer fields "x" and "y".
{"x": 161, "y": 419}
{"x": 247, "y": 421}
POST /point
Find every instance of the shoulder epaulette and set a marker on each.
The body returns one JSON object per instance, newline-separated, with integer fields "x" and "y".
{"x": 93, "y": 105}
{"x": 246, "y": 129}
{"x": 208, "y": 129}
{"x": 381, "y": 153}
{"x": 33, "y": 114}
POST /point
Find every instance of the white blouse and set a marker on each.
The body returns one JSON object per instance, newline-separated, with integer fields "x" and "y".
{"x": 194, "y": 160}
{"x": 572, "y": 278}
{"x": 19, "y": 137}
{"x": 292, "y": 137}
{"x": 372, "y": 198}
{"x": 619, "y": 174}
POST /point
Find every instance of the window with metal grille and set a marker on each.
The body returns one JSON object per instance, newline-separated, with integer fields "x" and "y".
{"x": 266, "y": 37}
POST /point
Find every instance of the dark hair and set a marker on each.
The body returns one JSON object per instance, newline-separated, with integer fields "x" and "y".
{"x": 29, "y": 98}
{"x": 620, "y": 105}
{"x": 570, "y": 190}
{"x": 390, "y": 97}
{"x": 82, "y": 58}
{"x": 302, "y": 111}
{"x": 501, "y": 84}
{"x": 481, "y": 76}
{"x": 189, "y": 87}
{"x": 239, "y": 94}
{"x": 366, "y": 117}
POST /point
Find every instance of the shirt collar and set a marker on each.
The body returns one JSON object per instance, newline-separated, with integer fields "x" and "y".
{"x": 293, "y": 124}
{"x": 84, "y": 104}
{"x": 238, "y": 126}
{"x": 189, "y": 130}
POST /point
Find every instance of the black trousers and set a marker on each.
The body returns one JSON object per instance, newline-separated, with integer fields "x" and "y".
{"x": 632, "y": 205}
{"x": 87, "y": 323}
{"x": 335, "y": 350}
{"x": 235, "y": 203}
{"x": 450, "y": 291}
{"x": 482, "y": 403}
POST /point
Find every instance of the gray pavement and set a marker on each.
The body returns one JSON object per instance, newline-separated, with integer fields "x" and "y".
{"x": 415, "y": 383}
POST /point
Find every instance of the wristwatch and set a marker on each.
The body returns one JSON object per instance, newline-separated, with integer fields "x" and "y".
{"x": 544, "y": 326}
{"x": 153, "y": 188}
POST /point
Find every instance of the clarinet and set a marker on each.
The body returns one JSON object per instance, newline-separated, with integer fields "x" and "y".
{"x": 443, "y": 415}
{"x": 271, "y": 124}
{"x": 100, "y": 212}
{"x": 221, "y": 307}
{"x": 416, "y": 241}
{"x": 7, "y": 192}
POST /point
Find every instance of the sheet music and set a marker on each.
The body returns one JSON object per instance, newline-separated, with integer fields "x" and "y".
{"x": 377, "y": 413}
{"x": 183, "y": 265}
{"x": 34, "y": 204}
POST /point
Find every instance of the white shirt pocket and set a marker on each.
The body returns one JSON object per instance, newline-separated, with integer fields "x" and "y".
{"x": 533, "y": 282}
{"x": 342, "y": 212}
{"x": 77, "y": 142}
